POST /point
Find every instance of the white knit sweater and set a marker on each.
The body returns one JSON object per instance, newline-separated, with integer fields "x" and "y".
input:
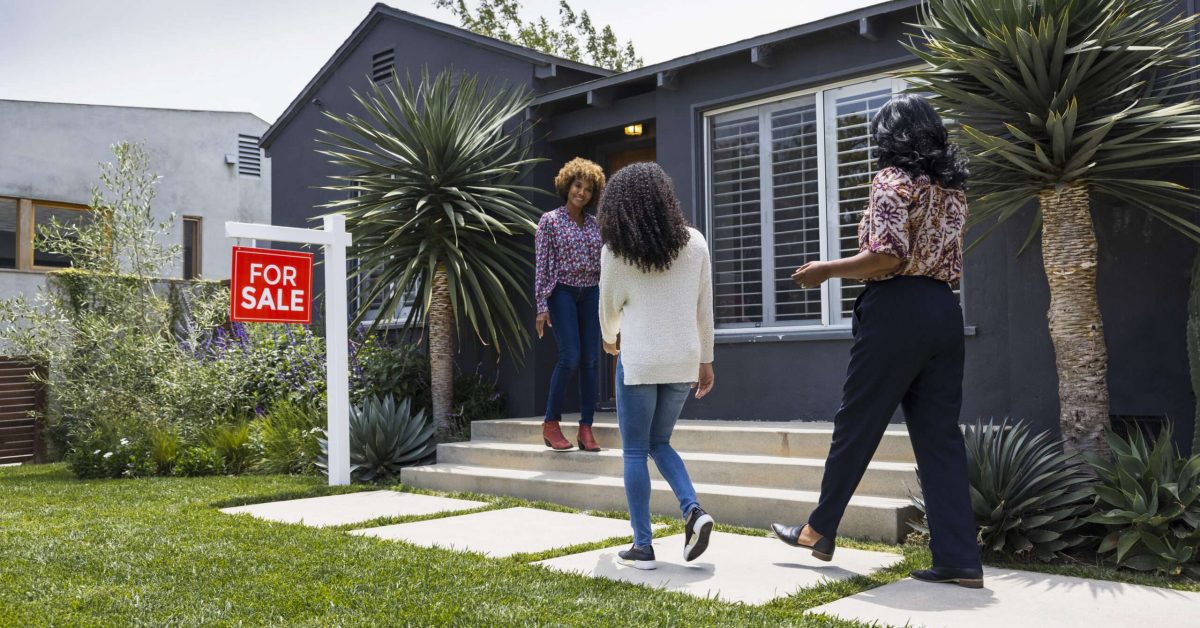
{"x": 665, "y": 319}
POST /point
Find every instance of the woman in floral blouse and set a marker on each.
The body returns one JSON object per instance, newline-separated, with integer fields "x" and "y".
{"x": 567, "y": 296}
{"x": 908, "y": 339}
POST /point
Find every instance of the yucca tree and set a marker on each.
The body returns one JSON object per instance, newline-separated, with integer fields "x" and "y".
{"x": 436, "y": 210}
{"x": 1058, "y": 101}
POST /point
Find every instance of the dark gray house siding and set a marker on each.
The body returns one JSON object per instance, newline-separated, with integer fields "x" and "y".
{"x": 1144, "y": 266}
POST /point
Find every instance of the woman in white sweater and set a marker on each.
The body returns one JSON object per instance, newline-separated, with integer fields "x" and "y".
{"x": 656, "y": 314}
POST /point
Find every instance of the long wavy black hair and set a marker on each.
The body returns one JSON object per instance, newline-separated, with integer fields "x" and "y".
{"x": 640, "y": 219}
{"x": 911, "y": 136}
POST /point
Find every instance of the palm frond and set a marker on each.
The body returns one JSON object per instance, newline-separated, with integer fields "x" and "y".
{"x": 1050, "y": 93}
{"x": 436, "y": 168}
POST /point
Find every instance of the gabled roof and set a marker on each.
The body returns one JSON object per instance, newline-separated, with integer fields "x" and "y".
{"x": 740, "y": 47}
{"x": 381, "y": 12}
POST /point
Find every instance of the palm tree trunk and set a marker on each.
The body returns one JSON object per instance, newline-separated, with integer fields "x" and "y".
{"x": 1076, "y": 329}
{"x": 441, "y": 351}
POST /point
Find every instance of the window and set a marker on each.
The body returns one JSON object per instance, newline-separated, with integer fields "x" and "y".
{"x": 375, "y": 310}
{"x": 8, "y": 233}
{"x": 249, "y": 156}
{"x": 191, "y": 246}
{"x": 45, "y": 214}
{"x": 787, "y": 182}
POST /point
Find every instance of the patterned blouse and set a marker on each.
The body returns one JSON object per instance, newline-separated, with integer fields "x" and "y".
{"x": 916, "y": 221}
{"x": 566, "y": 253}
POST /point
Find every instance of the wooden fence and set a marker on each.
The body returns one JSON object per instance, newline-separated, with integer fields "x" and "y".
{"x": 20, "y": 433}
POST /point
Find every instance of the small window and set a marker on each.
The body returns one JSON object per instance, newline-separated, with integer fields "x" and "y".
{"x": 191, "y": 247}
{"x": 249, "y": 156}
{"x": 382, "y": 65}
{"x": 45, "y": 214}
{"x": 8, "y": 233}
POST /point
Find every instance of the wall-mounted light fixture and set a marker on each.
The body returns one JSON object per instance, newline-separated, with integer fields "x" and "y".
{"x": 633, "y": 129}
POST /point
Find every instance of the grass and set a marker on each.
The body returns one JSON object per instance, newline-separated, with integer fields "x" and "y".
{"x": 157, "y": 551}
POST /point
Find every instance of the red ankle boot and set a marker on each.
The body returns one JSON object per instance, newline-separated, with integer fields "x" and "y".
{"x": 553, "y": 437}
{"x": 587, "y": 442}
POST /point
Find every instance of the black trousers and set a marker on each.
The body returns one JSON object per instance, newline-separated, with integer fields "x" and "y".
{"x": 908, "y": 352}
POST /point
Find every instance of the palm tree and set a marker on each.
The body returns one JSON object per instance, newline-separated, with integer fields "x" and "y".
{"x": 436, "y": 210}
{"x": 1060, "y": 100}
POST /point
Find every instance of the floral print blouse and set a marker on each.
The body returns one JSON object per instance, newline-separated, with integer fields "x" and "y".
{"x": 566, "y": 253}
{"x": 916, "y": 221}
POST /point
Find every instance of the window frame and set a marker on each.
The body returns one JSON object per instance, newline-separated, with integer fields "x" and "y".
{"x": 197, "y": 247}
{"x": 827, "y": 215}
{"x": 28, "y": 253}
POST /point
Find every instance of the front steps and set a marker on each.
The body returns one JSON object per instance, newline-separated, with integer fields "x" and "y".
{"x": 745, "y": 473}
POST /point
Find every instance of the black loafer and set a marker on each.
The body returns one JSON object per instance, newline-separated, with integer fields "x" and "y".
{"x": 822, "y": 549}
{"x": 969, "y": 578}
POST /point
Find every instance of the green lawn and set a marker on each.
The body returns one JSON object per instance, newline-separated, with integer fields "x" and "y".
{"x": 156, "y": 551}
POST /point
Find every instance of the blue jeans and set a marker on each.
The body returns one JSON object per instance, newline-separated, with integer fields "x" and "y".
{"x": 646, "y": 415}
{"x": 575, "y": 323}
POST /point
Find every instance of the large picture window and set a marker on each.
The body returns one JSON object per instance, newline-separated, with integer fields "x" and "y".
{"x": 787, "y": 182}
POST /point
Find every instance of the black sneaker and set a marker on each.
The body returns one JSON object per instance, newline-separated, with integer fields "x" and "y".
{"x": 695, "y": 540}
{"x": 638, "y": 557}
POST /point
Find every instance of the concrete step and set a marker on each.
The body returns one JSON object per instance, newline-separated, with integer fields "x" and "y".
{"x": 879, "y": 518}
{"x": 789, "y": 439}
{"x": 883, "y": 479}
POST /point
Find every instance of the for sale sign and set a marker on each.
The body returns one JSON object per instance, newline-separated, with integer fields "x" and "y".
{"x": 271, "y": 286}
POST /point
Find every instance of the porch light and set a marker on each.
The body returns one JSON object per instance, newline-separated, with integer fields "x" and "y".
{"x": 633, "y": 129}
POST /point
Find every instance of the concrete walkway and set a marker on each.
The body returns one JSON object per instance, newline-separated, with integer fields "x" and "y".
{"x": 751, "y": 569}
{"x": 735, "y": 568}
{"x": 333, "y": 510}
{"x": 1012, "y": 598}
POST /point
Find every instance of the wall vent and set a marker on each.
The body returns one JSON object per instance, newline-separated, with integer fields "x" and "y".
{"x": 382, "y": 65}
{"x": 249, "y": 161}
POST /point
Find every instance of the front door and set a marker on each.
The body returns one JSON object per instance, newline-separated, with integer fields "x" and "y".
{"x": 608, "y": 388}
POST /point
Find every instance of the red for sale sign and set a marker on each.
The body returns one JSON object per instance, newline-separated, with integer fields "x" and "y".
{"x": 271, "y": 286}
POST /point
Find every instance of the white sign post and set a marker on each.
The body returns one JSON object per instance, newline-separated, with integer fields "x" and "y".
{"x": 337, "y": 361}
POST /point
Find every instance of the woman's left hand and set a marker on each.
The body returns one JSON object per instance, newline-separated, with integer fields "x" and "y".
{"x": 811, "y": 274}
{"x": 612, "y": 349}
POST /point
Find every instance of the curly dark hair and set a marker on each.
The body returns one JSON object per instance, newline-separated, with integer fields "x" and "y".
{"x": 910, "y": 136}
{"x": 640, "y": 219}
{"x": 580, "y": 168}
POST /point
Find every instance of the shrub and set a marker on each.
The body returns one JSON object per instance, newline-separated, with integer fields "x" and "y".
{"x": 1148, "y": 500}
{"x": 385, "y": 437}
{"x": 401, "y": 371}
{"x": 232, "y": 445}
{"x": 105, "y": 455}
{"x": 164, "y": 450}
{"x": 1029, "y": 498}
{"x": 196, "y": 461}
{"x": 475, "y": 399}
{"x": 285, "y": 439}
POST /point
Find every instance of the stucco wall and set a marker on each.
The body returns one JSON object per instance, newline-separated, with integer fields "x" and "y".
{"x": 51, "y": 152}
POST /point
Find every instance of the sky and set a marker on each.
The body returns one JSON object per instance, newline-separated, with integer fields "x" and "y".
{"x": 256, "y": 55}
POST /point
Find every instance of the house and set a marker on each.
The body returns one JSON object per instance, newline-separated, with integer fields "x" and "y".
{"x": 766, "y": 141}
{"x": 211, "y": 167}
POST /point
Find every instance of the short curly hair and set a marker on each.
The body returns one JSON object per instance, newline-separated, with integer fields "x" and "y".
{"x": 640, "y": 219}
{"x": 580, "y": 168}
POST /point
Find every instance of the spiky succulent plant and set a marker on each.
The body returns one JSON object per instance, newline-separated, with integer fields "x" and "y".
{"x": 384, "y": 437}
{"x": 1029, "y": 498}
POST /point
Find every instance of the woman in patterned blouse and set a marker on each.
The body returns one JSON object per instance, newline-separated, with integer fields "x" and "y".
{"x": 567, "y": 296}
{"x": 908, "y": 339}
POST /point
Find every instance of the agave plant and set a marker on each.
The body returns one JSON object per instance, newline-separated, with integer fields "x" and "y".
{"x": 1148, "y": 498}
{"x": 1058, "y": 101}
{"x": 437, "y": 209}
{"x": 384, "y": 437}
{"x": 1029, "y": 498}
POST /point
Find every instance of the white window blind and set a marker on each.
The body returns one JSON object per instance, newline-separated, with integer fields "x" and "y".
{"x": 789, "y": 177}
{"x": 736, "y": 234}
